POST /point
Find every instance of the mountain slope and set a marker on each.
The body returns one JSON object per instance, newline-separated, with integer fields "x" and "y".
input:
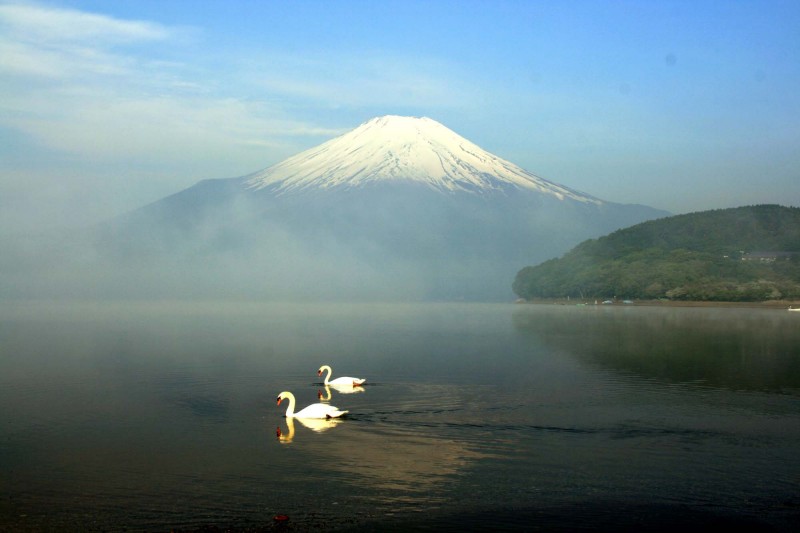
{"x": 398, "y": 208}
{"x": 414, "y": 150}
{"x": 741, "y": 254}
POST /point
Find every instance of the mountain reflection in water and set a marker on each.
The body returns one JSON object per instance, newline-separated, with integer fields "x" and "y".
{"x": 736, "y": 349}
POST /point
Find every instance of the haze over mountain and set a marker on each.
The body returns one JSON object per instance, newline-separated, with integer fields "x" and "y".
{"x": 398, "y": 208}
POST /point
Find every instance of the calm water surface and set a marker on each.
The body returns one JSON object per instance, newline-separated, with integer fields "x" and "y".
{"x": 161, "y": 416}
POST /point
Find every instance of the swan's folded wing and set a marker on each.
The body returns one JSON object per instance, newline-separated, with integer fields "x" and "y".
{"x": 319, "y": 410}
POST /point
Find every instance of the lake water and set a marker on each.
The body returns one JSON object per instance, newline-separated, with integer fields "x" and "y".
{"x": 163, "y": 416}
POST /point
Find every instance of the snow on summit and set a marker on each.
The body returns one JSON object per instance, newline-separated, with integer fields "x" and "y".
{"x": 399, "y": 148}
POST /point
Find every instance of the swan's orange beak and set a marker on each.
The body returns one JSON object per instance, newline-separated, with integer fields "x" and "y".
{"x": 279, "y": 400}
{"x": 319, "y": 372}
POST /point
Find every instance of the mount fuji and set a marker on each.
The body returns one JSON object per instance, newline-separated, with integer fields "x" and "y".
{"x": 397, "y": 208}
{"x": 403, "y": 149}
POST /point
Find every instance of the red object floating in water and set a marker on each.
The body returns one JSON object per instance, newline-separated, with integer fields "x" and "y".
{"x": 280, "y": 518}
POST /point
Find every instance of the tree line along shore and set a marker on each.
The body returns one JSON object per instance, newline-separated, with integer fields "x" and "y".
{"x": 746, "y": 254}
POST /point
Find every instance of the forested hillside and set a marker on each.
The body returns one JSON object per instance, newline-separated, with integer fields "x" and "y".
{"x": 741, "y": 254}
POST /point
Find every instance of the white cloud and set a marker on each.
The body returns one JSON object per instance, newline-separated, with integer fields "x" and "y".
{"x": 54, "y": 43}
{"x": 95, "y": 100}
{"x": 68, "y": 85}
{"x": 43, "y": 24}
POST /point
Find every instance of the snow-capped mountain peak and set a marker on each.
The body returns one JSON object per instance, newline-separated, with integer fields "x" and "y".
{"x": 396, "y": 148}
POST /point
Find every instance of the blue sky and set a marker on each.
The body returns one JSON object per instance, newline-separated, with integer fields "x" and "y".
{"x": 681, "y": 105}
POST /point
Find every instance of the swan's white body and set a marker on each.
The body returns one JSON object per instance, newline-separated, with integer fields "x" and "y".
{"x": 315, "y": 410}
{"x": 355, "y": 382}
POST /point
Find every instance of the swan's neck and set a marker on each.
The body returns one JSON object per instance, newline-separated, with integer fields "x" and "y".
{"x": 290, "y": 408}
{"x": 328, "y": 373}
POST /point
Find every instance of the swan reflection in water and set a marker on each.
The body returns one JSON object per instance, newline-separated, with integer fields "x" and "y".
{"x": 342, "y": 389}
{"x": 318, "y": 425}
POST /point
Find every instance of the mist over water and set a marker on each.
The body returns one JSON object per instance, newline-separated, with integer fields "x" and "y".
{"x": 160, "y": 415}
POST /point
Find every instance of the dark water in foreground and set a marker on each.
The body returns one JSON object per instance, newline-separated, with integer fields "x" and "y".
{"x": 152, "y": 417}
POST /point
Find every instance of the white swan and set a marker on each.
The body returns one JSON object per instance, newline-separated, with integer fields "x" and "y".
{"x": 355, "y": 382}
{"x": 315, "y": 410}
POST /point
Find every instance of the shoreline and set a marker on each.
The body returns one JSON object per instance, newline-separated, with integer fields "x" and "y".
{"x": 770, "y": 304}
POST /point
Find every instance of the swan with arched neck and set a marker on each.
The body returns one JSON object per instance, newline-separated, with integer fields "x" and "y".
{"x": 315, "y": 410}
{"x": 355, "y": 382}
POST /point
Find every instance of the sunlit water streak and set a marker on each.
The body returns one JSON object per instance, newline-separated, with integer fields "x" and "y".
{"x": 161, "y": 416}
